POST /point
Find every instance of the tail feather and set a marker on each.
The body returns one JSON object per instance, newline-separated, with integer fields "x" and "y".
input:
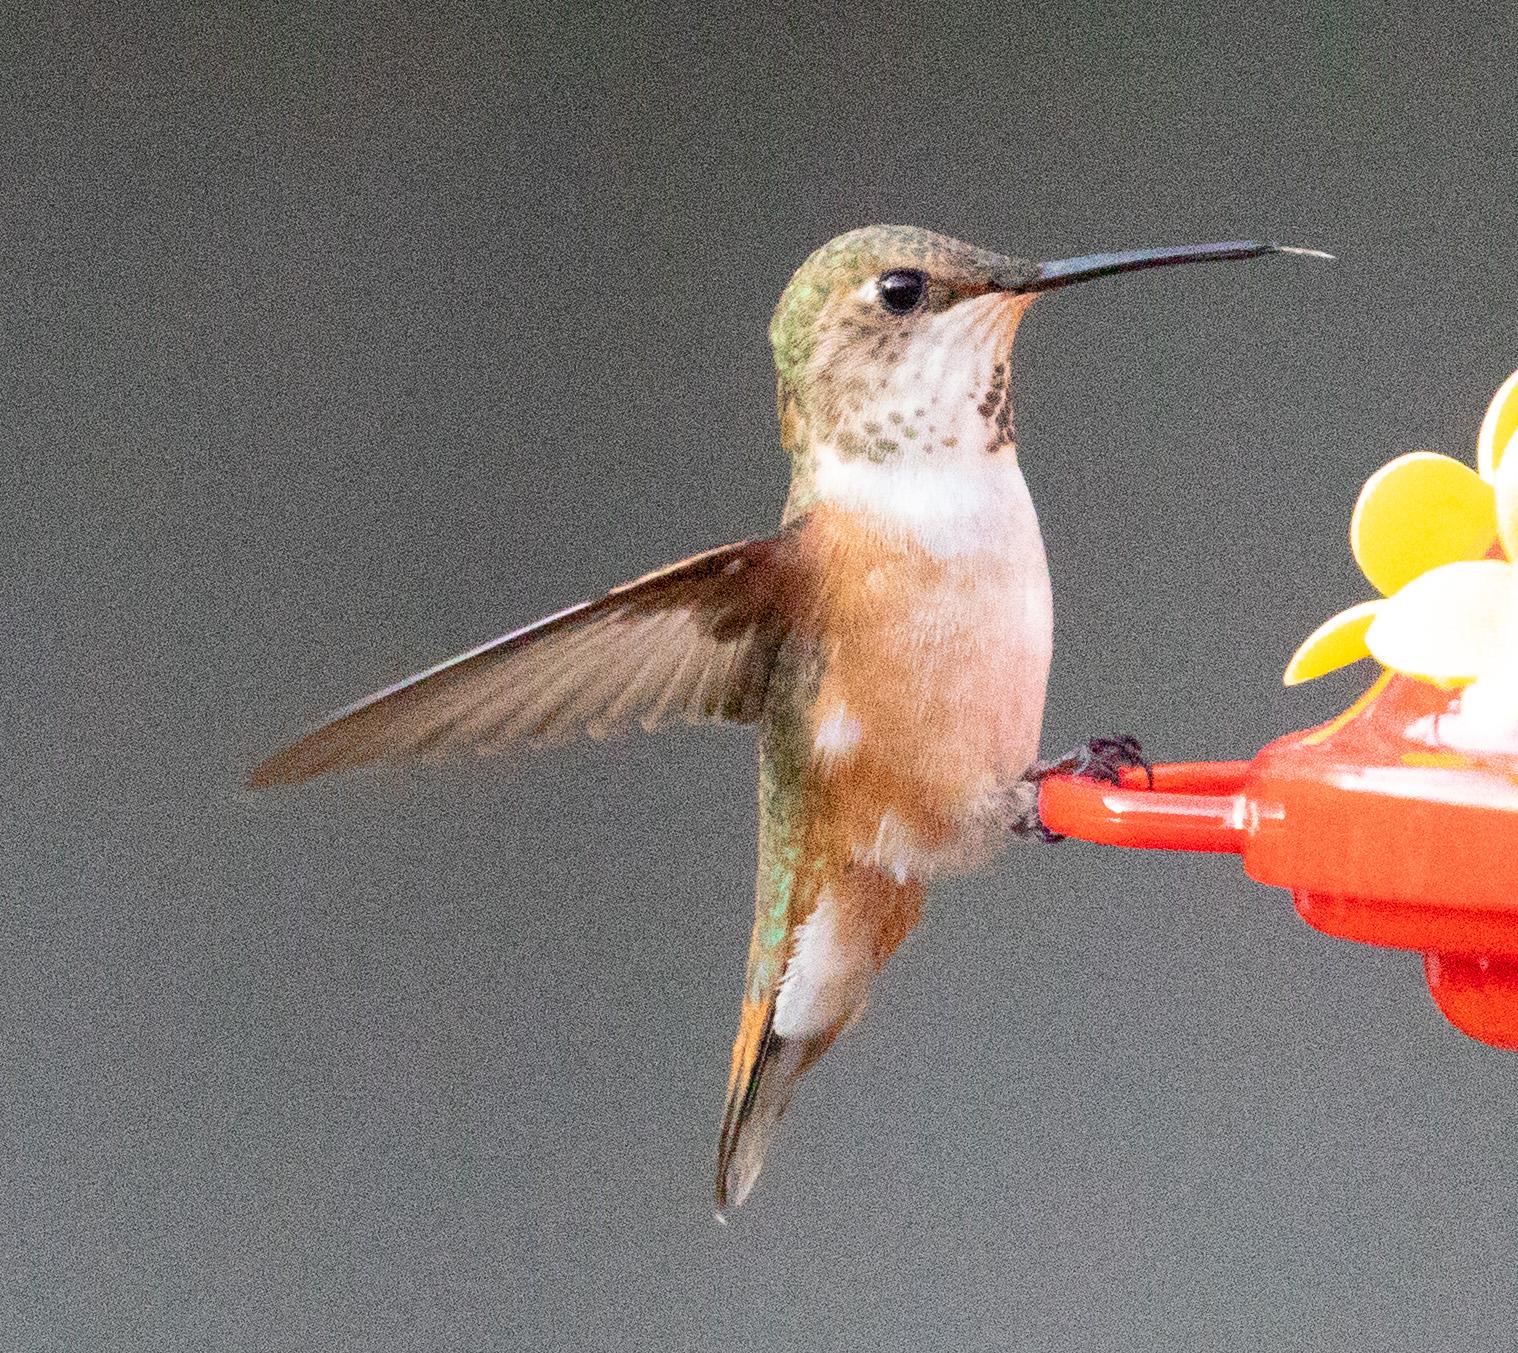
{"x": 756, "y": 1103}
{"x": 809, "y": 979}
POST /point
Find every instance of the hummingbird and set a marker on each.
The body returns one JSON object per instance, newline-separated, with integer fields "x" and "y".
{"x": 890, "y": 642}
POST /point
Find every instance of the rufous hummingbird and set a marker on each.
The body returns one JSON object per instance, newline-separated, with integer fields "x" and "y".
{"x": 891, "y": 640}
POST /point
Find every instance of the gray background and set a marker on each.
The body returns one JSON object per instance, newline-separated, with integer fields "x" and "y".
{"x": 331, "y": 345}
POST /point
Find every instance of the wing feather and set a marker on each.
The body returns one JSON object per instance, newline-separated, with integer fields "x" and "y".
{"x": 693, "y": 641}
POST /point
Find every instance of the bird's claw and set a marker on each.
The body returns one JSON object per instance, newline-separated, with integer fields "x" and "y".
{"x": 1100, "y": 759}
{"x": 1034, "y": 826}
{"x": 1023, "y": 818}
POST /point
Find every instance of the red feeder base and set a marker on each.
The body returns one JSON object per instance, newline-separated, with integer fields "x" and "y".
{"x": 1383, "y": 835}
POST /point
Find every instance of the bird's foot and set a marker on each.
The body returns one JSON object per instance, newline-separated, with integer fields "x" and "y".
{"x": 1100, "y": 759}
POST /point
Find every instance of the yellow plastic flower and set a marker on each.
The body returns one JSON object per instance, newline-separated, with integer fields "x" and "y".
{"x": 1423, "y": 532}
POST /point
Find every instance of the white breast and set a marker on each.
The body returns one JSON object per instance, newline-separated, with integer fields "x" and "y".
{"x": 952, "y": 504}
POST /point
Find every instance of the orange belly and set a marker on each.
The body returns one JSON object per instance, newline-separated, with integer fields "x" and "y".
{"x": 930, "y": 696}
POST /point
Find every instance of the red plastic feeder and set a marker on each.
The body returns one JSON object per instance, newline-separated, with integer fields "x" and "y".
{"x": 1382, "y": 834}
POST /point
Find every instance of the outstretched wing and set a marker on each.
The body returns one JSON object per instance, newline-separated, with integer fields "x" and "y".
{"x": 695, "y": 641}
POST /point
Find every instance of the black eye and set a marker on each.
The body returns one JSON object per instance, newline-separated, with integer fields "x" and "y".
{"x": 902, "y": 289}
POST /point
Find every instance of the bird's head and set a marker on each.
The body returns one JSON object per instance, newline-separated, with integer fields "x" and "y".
{"x": 893, "y": 341}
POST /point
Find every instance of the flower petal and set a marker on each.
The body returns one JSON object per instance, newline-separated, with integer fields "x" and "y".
{"x": 1337, "y": 642}
{"x": 1497, "y": 428}
{"x": 1487, "y": 718}
{"x": 1444, "y": 626}
{"x": 1506, "y": 480}
{"x": 1417, "y": 512}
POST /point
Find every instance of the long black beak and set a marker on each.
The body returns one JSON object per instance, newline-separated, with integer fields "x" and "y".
{"x": 1062, "y": 272}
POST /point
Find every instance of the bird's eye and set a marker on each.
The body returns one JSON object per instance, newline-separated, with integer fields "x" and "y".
{"x": 902, "y": 290}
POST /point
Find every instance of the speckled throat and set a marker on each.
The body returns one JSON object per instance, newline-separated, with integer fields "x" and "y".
{"x": 939, "y": 388}
{"x": 866, "y": 382}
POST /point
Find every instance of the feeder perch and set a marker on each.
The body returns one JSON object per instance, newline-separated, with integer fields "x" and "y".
{"x": 1382, "y": 834}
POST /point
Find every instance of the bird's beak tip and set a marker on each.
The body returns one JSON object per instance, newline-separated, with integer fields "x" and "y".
{"x": 1304, "y": 253}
